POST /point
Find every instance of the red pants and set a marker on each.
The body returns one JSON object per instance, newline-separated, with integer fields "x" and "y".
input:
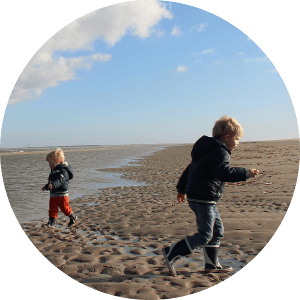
{"x": 59, "y": 202}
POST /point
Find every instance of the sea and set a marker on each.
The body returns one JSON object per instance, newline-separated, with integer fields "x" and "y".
{"x": 25, "y": 171}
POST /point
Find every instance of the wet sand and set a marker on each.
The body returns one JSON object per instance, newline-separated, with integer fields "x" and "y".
{"x": 116, "y": 244}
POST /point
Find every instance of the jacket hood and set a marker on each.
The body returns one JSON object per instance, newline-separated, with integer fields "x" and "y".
{"x": 67, "y": 167}
{"x": 206, "y": 145}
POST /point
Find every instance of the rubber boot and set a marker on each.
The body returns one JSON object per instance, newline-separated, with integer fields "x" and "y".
{"x": 50, "y": 223}
{"x": 174, "y": 252}
{"x": 212, "y": 262}
{"x": 73, "y": 219}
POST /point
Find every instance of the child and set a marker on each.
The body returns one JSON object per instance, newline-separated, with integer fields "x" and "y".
{"x": 58, "y": 183}
{"x": 202, "y": 182}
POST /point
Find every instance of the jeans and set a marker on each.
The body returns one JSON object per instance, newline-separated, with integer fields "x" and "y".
{"x": 209, "y": 224}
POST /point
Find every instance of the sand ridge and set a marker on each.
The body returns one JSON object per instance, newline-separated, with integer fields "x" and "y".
{"x": 116, "y": 245}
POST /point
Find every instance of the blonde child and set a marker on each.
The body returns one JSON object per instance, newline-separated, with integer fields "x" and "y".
{"x": 202, "y": 183}
{"x": 58, "y": 182}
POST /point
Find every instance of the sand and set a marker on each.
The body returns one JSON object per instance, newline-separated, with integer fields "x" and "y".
{"x": 116, "y": 244}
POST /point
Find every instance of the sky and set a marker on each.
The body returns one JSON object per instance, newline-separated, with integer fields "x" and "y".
{"x": 145, "y": 72}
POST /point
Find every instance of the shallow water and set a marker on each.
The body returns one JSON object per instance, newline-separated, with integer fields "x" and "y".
{"x": 24, "y": 175}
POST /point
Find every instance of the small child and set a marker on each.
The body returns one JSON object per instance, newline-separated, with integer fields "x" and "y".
{"x": 202, "y": 182}
{"x": 58, "y": 183}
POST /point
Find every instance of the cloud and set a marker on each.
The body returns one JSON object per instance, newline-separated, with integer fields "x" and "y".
{"x": 199, "y": 27}
{"x": 255, "y": 59}
{"x": 158, "y": 33}
{"x": 48, "y": 66}
{"x": 176, "y": 31}
{"x": 208, "y": 51}
{"x": 180, "y": 69}
{"x": 217, "y": 62}
{"x": 36, "y": 78}
{"x": 240, "y": 54}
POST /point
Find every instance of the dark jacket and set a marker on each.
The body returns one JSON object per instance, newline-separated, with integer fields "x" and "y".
{"x": 60, "y": 177}
{"x": 205, "y": 177}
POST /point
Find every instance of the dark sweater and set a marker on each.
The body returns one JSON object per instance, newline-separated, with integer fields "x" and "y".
{"x": 205, "y": 177}
{"x": 60, "y": 177}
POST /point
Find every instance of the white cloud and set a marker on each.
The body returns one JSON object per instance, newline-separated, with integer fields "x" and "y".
{"x": 255, "y": 59}
{"x": 199, "y": 27}
{"x": 48, "y": 67}
{"x": 208, "y": 51}
{"x": 217, "y": 62}
{"x": 176, "y": 31}
{"x": 158, "y": 33}
{"x": 240, "y": 54}
{"x": 180, "y": 69}
{"x": 36, "y": 78}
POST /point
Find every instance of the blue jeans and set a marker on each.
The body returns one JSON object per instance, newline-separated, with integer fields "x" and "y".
{"x": 209, "y": 224}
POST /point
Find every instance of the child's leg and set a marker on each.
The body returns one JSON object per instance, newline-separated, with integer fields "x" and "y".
{"x": 211, "y": 249}
{"x": 205, "y": 222}
{"x": 64, "y": 206}
{"x": 205, "y": 218}
{"x": 218, "y": 229}
{"x": 53, "y": 207}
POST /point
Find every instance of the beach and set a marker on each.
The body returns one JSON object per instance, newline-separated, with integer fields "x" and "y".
{"x": 116, "y": 244}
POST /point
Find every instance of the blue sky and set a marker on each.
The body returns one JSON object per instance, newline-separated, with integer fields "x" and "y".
{"x": 146, "y": 72}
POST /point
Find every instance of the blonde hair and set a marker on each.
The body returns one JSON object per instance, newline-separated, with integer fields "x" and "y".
{"x": 227, "y": 126}
{"x": 57, "y": 155}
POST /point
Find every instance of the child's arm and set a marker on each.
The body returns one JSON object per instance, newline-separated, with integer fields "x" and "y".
{"x": 182, "y": 180}
{"x": 181, "y": 185}
{"x": 221, "y": 169}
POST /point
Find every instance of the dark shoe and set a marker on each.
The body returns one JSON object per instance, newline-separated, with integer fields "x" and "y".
{"x": 73, "y": 219}
{"x": 50, "y": 223}
{"x": 174, "y": 252}
{"x": 212, "y": 262}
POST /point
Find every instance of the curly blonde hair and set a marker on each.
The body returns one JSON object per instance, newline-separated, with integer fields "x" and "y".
{"x": 57, "y": 155}
{"x": 227, "y": 126}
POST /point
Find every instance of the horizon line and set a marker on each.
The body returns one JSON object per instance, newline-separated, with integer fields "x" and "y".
{"x": 139, "y": 144}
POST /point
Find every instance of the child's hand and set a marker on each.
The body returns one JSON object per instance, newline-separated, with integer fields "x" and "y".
{"x": 48, "y": 186}
{"x": 253, "y": 173}
{"x": 180, "y": 197}
{"x": 45, "y": 187}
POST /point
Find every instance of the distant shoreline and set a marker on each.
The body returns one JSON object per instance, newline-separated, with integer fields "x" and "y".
{"x": 274, "y": 141}
{"x": 113, "y": 147}
{"x": 82, "y": 148}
